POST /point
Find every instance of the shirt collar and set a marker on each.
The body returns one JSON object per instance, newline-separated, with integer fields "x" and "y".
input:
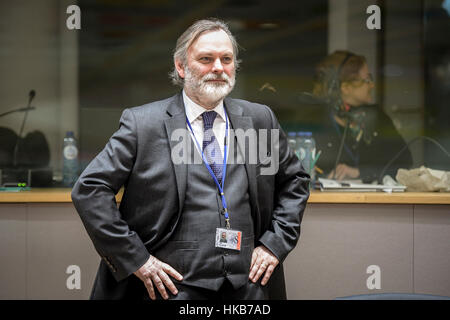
{"x": 193, "y": 110}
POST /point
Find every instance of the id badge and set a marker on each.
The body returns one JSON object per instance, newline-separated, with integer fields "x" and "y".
{"x": 228, "y": 239}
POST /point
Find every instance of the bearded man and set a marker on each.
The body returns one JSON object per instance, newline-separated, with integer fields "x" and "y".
{"x": 164, "y": 239}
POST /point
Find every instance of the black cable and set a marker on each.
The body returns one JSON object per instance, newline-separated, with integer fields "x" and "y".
{"x": 340, "y": 149}
{"x": 31, "y": 96}
{"x": 405, "y": 147}
{"x": 17, "y": 110}
{"x": 16, "y": 147}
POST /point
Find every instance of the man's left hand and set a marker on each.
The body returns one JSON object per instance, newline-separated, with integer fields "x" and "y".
{"x": 262, "y": 261}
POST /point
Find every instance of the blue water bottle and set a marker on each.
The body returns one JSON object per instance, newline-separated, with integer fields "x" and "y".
{"x": 70, "y": 160}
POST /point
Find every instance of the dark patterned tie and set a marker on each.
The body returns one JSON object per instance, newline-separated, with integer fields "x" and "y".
{"x": 211, "y": 147}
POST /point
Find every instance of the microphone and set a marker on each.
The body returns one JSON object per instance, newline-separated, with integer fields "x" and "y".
{"x": 31, "y": 96}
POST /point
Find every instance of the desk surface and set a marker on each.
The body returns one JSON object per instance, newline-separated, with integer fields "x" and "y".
{"x": 63, "y": 196}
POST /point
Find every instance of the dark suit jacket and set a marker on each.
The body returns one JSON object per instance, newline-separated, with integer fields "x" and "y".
{"x": 138, "y": 157}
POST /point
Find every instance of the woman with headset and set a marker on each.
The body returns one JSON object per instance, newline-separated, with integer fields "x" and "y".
{"x": 358, "y": 139}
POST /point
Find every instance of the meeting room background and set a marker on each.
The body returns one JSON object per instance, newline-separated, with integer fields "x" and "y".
{"x": 121, "y": 56}
{"x": 56, "y": 78}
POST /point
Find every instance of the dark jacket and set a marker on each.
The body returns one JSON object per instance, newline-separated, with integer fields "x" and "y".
{"x": 138, "y": 157}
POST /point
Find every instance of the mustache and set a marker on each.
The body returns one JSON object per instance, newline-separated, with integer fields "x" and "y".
{"x": 212, "y": 76}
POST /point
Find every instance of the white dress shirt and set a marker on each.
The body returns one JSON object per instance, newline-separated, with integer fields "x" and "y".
{"x": 194, "y": 115}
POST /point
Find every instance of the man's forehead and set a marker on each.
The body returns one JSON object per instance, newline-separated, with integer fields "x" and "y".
{"x": 212, "y": 41}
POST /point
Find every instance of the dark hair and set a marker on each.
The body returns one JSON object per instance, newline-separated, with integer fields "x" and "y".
{"x": 339, "y": 67}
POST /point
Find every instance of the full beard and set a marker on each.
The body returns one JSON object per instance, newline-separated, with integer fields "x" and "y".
{"x": 206, "y": 91}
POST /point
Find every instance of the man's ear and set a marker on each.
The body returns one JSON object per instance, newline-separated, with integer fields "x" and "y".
{"x": 180, "y": 68}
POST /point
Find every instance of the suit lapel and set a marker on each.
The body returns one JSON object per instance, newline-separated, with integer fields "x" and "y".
{"x": 177, "y": 121}
{"x": 238, "y": 121}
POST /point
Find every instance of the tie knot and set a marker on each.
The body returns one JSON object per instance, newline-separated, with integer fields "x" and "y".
{"x": 208, "y": 119}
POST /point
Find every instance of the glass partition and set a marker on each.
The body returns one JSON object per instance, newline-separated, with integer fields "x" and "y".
{"x": 367, "y": 78}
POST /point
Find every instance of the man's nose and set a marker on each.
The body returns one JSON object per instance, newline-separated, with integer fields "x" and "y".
{"x": 217, "y": 66}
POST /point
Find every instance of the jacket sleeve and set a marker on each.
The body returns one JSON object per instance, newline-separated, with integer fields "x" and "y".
{"x": 291, "y": 195}
{"x": 94, "y": 198}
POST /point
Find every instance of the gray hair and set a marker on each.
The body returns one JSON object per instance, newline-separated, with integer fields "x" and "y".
{"x": 192, "y": 34}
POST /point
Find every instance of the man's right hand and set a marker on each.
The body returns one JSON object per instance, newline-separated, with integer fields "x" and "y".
{"x": 157, "y": 272}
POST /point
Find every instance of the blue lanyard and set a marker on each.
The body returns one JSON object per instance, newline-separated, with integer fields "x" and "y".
{"x": 224, "y": 167}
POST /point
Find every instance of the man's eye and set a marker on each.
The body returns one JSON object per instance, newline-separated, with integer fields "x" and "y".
{"x": 226, "y": 59}
{"x": 205, "y": 59}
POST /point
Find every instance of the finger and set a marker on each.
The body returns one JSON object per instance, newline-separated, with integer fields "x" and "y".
{"x": 167, "y": 282}
{"x": 330, "y": 175}
{"x": 261, "y": 269}
{"x": 253, "y": 271}
{"x": 254, "y": 257}
{"x": 268, "y": 274}
{"x": 160, "y": 286}
{"x": 151, "y": 291}
{"x": 256, "y": 264}
{"x": 339, "y": 172}
{"x": 335, "y": 174}
{"x": 172, "y": 272}
{"x": 342, "y": 175}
